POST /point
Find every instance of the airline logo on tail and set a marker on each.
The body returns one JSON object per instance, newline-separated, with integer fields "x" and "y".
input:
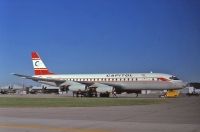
{"x": 38, "y": 65}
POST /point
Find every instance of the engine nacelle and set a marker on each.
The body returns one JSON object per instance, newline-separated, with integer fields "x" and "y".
{"x": 104, "y": 89}
{"x": 77, "y": 87}
{"x": 73, "y": 86}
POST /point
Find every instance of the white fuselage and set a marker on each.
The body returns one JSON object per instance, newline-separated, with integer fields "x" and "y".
{"x": 126, "y": 81}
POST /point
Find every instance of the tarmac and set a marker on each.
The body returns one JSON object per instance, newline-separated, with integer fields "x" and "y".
{"x": 179, "y": 114}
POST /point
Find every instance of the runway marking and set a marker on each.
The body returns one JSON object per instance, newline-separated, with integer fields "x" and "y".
{"x": 50, "y": 128}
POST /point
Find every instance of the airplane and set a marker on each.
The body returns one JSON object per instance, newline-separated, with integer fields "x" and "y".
{"x": 102, "y": 84}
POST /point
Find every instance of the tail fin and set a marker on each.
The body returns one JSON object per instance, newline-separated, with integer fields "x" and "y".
{"x": 38, "y": 65}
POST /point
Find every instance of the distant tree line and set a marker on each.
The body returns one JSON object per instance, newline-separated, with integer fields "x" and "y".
{"x": 195, "y": 85}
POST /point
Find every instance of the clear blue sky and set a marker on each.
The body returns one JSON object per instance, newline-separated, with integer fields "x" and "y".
{"x": 100, "y": 36}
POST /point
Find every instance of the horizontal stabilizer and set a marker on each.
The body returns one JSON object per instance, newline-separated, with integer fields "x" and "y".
{"x": 34, "y": 78}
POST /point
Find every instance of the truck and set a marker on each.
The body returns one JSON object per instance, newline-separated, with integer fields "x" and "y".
{"x": 193, "y": 91}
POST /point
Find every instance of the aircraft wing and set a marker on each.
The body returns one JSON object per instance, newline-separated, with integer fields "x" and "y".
{"x": 61, "y": 82}
{"x": 49, "y": 81}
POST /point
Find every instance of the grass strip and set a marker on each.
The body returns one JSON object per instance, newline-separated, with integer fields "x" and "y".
{"x": 74, "y": 102}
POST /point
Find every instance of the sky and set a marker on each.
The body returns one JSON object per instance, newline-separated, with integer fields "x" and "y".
{"x": 101, "y": 36}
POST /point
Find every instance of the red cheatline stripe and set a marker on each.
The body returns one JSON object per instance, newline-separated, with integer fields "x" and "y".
{"x": 42, "y": 72}
{"x": 36, "y": 59}
{"x": 40, "y": 69}
{"x": 163, "y": 79}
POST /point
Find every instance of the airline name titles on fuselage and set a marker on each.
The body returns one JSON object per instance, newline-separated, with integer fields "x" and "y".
{"x": 119, "y": 75}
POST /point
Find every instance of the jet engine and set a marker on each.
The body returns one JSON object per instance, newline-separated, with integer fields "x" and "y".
{"x": 77, "y": 87}
{"x": 104, "y": 89}
{"x": 73, "y": 86}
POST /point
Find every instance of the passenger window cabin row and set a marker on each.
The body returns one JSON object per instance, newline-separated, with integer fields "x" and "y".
{"x": 112, "y": 79}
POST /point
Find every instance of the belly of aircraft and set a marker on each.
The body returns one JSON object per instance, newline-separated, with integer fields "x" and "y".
{"x": 144, "y": 85}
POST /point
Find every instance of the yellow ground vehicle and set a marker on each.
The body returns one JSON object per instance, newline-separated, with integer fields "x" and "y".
{"x": 172, "y": 93}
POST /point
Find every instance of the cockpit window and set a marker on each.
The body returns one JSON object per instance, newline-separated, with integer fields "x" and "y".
{"x": 174, "y": 78}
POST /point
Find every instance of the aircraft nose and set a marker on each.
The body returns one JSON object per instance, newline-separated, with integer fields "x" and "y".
{"x": 182, "y": 84}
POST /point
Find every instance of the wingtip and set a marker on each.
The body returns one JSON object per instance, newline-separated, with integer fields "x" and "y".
{"x": 12, "y": 73}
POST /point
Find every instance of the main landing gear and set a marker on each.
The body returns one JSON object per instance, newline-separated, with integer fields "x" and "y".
{"x": 90, "y": 93}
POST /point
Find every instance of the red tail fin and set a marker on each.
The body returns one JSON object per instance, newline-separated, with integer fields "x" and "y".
{"x": 38, "y": 65}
